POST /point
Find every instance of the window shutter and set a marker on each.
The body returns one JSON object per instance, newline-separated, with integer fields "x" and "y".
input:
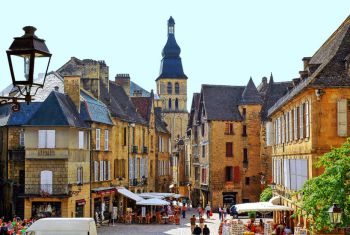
{"x": 146, "y": 167}
{"x": 136, "y": 160}
{"x": 131, "y": 168}
{"x": 307, "y": 120}
{"x": 21, "y": 138}
{"x": 50, "y": 138}
{"x": 301, "y": 121}
{"x": 295, "y": 123}
{"x": 42, "y": 139}
{"x": 236, "y": 174}
{"x": 98, "y": 132}
{"x": 96, "y": 170}
{"x": 106, "y": 140}
{"x": 268, "y": 127}
{"x": 141, "y": 168}
{"x": 81, "y": 139}
{"x": 342, "y": 117}
{"x": 286, "y": 127}
{"x": 109, "y": 170}
{"x": 290, "y": 126}
{"x": 101, "y": 170}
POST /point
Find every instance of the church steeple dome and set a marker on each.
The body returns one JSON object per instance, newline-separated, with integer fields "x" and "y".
{"x": 171, "y": 65}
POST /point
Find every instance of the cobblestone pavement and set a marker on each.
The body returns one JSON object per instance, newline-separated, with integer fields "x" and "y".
{"x": 157, "y": 229}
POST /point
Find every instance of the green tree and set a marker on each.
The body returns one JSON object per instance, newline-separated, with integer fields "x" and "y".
{"x": 266, "y": 194}
{"x": 333, "y": 186}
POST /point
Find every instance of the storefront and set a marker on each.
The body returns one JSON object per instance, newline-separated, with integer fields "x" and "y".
{"x": 79, "y": 208}
{"x": 229, "y": 199}
{"x": 103, "y": 198}
{"x": 46, "y": 209}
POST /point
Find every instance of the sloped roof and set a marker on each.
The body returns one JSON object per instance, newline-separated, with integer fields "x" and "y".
{"x": 143, "y": 106}
{"x": 221, "y": 102}
{"x": 136, "y": 88}
{"x": 326, "y": 67}
{"x": 94, "y": 110}
{"x": 119, "y": 103}
{"x": 194, "y": 108}
{"x": 161, "y": 126}
{"x": 24, "y": 114}
{"x": 57, "y": 110}
{"x": 250, "y": 94}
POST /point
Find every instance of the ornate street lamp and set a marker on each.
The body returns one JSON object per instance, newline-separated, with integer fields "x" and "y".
{"x": 335, "y": 214}
{"x": 27, "y": 55}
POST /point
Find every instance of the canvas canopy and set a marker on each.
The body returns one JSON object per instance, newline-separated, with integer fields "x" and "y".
{"x": 153, "y": 202}
{"x": 260, "y": 207}
{"x": 129, "y": 194}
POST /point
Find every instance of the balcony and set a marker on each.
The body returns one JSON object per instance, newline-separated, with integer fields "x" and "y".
{"x": 58, "y": 153}
{"x": 144, "y": 150}
{"x": 134, "y": 149}
{"x": 16, "y": 155}
{"x": 46, "y": 190}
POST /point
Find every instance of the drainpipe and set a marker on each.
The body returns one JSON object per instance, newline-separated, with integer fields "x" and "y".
{"x": 90, "y": 137}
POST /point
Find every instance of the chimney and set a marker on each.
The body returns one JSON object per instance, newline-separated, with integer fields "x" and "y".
{"x": 72, "y": 89}
{"x": 306, "y": 61}
{"x": 123, "y": 80}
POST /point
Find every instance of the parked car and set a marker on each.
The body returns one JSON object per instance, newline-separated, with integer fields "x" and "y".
{"x": 63, "y": 226}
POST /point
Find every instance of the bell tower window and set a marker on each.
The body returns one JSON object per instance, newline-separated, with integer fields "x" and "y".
{"x": 176, "y": 104}
{"x": 170, "y": 88}
{"x": 177, "y": 88}
{"x": 169, "y": 103}
{"x": 171, "y": 30}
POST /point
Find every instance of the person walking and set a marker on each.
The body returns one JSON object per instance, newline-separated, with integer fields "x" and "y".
{"x": 224, "y": 210}
{"x": 206, "y": 230}
{"x": 197, "y": 230}
{"x": 201, "y": 222}
{"x": 183, "y": 209}
{"x": 193, "y": 222}
{"x": 220, "y": 212}
{"x": 207, "y": 210}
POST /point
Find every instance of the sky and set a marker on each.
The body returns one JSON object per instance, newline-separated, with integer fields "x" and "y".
{"x": 222, "y": 42}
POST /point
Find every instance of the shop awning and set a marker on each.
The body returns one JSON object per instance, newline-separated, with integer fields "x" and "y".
{"x": 260, "y": 207}
{"x": 276, "y": 200}
{"x": 103, "y": 190}
{"x": 129, "y": 194}
{"x": 153, "y": 202}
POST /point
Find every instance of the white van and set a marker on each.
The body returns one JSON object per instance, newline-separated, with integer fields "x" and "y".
{"x": 61, "y": 226}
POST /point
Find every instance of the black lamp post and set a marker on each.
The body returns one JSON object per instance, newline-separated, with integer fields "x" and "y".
{"x": 335, "y": 214}
{"x": 27, "y": 55}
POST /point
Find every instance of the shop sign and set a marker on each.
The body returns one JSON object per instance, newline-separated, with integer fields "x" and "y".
{"x": 80, "y": 202}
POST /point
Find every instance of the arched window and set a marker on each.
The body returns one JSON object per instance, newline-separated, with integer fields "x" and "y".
{"x": 170, "y": 88}
{"x": 46, "y": 182}
{"x": 169, "y": 103}
{"x": 176, "y": 104}
{"x": 177, "y": 88}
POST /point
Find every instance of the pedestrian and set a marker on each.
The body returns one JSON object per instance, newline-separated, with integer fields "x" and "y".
{"x": 200, "y": 210}
{"x": 206, "y": 230}
{"x": 225, "y": 212}
{"x": 201, "y": 222}
{"x": 193, "y": 222}
{"x": 220, "y": 212}
{"x": 207, "y": 210}
{"x": 197, "y": 230}
{"x": 183, "y": 209}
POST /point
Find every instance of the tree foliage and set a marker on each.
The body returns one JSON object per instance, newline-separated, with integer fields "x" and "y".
{"x": 266, "y": 194}
{"x": 333, "y": 186}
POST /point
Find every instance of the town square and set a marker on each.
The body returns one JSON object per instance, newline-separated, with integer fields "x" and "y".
{"x": 175, "y": 117}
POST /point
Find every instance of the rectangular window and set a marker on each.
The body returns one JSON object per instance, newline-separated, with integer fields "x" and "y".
{"x": 229, "y": 174}
{"x": 96, "y": 171}
{"x": 245, "y": 155}
{"x": 244, "y": 130}
{"x": 98, "y": 134}
{"x": 247, "y": 180}
{"x": 244, "y": 113}
{"x": 286, "y": 125}
{"x": 47, "y": 138}
{"x": 21, "y": 138}
{"x": 80, "y": 175}
{"x": 116, "y": 173}
{"x": 204, "y": 175}
{"x": 307, "y": 120}
{"x": 229, "y": 149}
{"x": 342, "y": 117}
{"x": 203, "y": 151}
{"x": 106, "y": 140}
{"x": 282, "y": 129}
{"x": 124, "y": 136}
{"x": 81, "y": 139}
{"x": 131, "y": 168}
{"x": 279, "y": 131}
{"x": 228, "y": 128}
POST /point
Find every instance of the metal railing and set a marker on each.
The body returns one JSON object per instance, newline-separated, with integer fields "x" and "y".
{"x": 145, "y": 150}
{"x": 16, "y": 155}
{"x": 134, "y": 149}
{"x": 46, "y": 190}
{"x": 57, "y": 153}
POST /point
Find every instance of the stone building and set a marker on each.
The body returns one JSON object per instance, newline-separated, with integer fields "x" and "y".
{"x": 172, "y": 92}
{"x": 310, "y": 118}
